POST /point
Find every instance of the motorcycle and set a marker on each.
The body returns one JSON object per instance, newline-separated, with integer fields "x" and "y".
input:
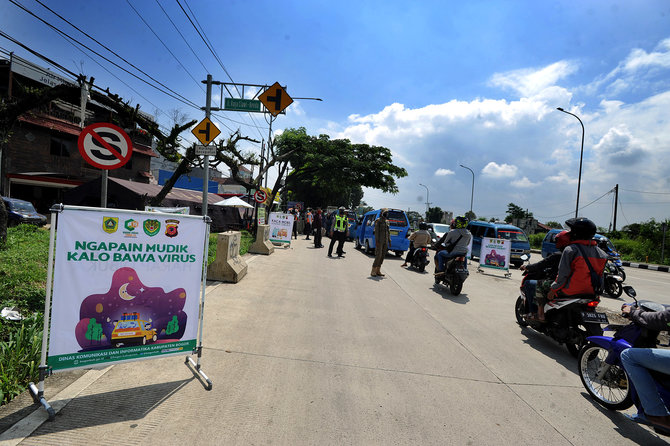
{"x": 568, "y": 320}
{"x": 613, "y": 282}
{"x": 601, "y": 370}
{"x": 456, "y": 272}
{"x": 420, "y": 259}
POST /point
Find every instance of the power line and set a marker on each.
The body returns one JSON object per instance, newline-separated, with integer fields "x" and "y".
{"x": 643, "y": 192}
{"x": 178, "y": 96}
{"x": 166, "y": 47}
{"x": 182, "y": 36}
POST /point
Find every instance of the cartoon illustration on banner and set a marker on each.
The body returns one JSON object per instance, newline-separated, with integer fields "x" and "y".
{"x": 495, "y": 253}
{"x": 281, "y": 227}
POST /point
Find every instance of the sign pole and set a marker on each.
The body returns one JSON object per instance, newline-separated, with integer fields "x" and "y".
{"x": 103, "y": 193}
{"x": 205, "y": 185}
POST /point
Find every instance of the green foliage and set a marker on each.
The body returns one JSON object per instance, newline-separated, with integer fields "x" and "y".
{"x": 470, "y": 215}
{"x": 333, "y": 171}
{"x": 434, "y": 215}
{"x": 23, "y": 268}
{"x": 246, "y": 240}
{"x": 20, "y": 347}
{"x": 514, "y": 211}
{"x": 536, "y": 240}
{"x": 554, "y": 225}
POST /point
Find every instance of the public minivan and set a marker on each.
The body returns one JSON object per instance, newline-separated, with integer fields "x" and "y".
{"x": 398, "y": 224}
{"x": 520, "y": 242}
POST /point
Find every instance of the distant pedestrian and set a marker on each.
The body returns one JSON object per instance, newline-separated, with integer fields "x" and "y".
{"x": 294, "y": 212}
{"x": 309, "y": 219}
{"x": 318, "y": 224}
{"x": 338, "y": 232}
{"x": 382, "y": 242}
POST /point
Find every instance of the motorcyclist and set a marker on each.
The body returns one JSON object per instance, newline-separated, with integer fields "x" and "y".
{"x": 456, "y": 243}
{"x": 417, "y": 239}
{"x": 574, "y": 274}
{"x": 546, "y": 268}
{"x": 638, "y": 362}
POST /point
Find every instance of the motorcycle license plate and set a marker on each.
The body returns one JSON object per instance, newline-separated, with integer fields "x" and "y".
{"x": 594, "y": 316}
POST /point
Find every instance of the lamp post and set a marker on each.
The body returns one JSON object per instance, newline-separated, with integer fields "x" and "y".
{"x": 427, "y": 202}
{"x": 472, "y": 194}
{"x": 581, "y": 156}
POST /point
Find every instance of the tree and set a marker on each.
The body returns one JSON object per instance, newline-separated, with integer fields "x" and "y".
{"x": 514, "y": 211}
{"x": 554, "y": 224}
{"x": 328, "y": 171}
{"x": 414, "y": 216}
{"x": 470, "y": 215}
{"x": 434, "y": 215}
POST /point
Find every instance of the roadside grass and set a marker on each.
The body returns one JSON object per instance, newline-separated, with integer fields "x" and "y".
{"x": 23, "y": 274}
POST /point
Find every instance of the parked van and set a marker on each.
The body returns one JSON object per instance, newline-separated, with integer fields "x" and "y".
{"x": 520, "y": 242}
{"x": 398, "y": 223}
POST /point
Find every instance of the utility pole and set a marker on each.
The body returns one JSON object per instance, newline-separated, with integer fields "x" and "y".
{"x": 616, "y": 201}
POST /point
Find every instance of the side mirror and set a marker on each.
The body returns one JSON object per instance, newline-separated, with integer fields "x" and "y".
{"x": 524, "y": 257}
{"x": 629, "y": 290}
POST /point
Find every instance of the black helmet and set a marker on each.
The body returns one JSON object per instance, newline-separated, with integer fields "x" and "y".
{"x": 423, "y": 226}
{"x": 581, "y": 228}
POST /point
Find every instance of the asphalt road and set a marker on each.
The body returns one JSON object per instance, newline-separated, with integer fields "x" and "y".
{"x": 308, "y": 349}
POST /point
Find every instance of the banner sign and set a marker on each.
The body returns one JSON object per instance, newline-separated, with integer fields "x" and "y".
{"x": 495, "y": 253}
{"x": 126, "y": 286}
{"x": 281, "y": 227}
{"x": 168, "y": 210}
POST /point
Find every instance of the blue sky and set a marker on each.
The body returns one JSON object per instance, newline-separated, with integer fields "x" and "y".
{"x": 440, "y": 83}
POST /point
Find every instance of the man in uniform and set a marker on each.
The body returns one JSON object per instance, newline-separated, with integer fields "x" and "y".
{"x": 382, "y": 242}
{"x": 338, "y": 232}
{"x": 308, "y": 222}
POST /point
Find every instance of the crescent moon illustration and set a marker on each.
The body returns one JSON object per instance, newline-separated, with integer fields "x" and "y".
{"x": 123, "y": 294}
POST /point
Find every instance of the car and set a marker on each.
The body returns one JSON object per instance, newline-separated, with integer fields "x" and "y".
{"x": 520, "y": 242}
{"x": 438, "y": 228}
{"x": 549, "y": 244}
{"x": 399, "y": 227}
{"x": 21, "y": 211}
{"x": 132, "y": 330}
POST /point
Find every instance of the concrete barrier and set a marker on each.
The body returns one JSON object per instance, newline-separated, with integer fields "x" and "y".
{"x": 262, "y": 245}
{"x": 229, "y": 266}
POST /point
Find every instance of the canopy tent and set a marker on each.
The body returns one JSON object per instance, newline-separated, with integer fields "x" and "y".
{"x": 234, "y": 202}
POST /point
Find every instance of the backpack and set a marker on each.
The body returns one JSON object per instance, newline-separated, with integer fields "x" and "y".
{"x": 596, "y": 281}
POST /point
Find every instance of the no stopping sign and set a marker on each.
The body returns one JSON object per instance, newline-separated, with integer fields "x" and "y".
{"x": 105, "y": 146}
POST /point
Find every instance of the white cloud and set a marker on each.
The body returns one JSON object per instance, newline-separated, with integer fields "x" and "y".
{"x": 443, "y": 172}
{"x": 496, "y": 170}
{"x": 529, "y": 81}
{"x": 524, "y": 183}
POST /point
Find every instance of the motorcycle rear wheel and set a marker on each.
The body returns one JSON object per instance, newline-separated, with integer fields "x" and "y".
{"x": 613, "y": 389}
{"x": 519, "y": 309}
{"x": 456, "y": 286}
{"x": 591, "y": 330}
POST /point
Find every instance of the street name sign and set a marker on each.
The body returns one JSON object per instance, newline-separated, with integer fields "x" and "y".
{"x": 242, "y": 104}
{"x": 206, "y": 131}
{"x": 275, "y": 99}
{"x": 205, "y": 150}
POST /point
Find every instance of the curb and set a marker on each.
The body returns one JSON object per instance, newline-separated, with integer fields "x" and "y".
{"x": 665, "y": 269}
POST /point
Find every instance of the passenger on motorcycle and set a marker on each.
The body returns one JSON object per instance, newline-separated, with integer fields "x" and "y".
{"x": 638, "y": 362}
{"x": 418, "y": 239}
{"x": 547, "y": 268}
{"x": 578, "y": 259}
{"x": 455, "y": 243}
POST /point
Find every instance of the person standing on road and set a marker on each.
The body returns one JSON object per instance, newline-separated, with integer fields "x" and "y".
{"x": 338, "y": 233}
{"x": 309, "y": 218}
{"x": 318, "y": 224}
{"x": 382, "y": 242}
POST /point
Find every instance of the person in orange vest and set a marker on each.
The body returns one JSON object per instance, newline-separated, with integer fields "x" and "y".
{"x": 309, "y": 219}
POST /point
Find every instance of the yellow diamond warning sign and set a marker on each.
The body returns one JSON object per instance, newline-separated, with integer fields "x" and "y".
{"x": 275, "y": 99}
{"x": 206, "y": 131}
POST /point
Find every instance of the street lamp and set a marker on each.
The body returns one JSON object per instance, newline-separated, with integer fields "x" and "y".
{"x": 581, "y": 156}
{"x": 427, "y": 202}
{"x": 472, "y": 194}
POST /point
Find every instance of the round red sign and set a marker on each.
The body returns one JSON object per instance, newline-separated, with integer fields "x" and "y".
{"x": 105, "y": 146}
{"x": 260, "y": 196}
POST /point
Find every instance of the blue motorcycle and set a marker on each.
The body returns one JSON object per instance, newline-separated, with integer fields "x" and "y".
{"x": 601, "y": 371}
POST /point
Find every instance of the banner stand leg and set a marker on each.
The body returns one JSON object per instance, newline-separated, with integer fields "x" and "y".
{"x": 195, "y": 365}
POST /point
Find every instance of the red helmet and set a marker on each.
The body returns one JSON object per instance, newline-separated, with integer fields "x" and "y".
{"x": 562, "y": 239}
